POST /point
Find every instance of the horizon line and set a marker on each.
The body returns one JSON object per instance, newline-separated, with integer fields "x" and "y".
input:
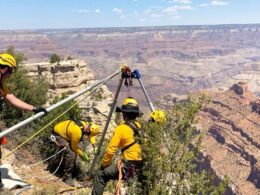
{"x": 159, "y": 26}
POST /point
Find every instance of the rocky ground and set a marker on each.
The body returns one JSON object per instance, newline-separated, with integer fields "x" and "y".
{"x": 42, "y": 180}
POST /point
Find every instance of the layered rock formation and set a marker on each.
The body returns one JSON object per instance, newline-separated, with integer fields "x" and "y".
{"x": 250, "y": 73}
{"x": 72, "y": 76}
{"x": 231, "y": 143}
{"x": 171, "y": 59}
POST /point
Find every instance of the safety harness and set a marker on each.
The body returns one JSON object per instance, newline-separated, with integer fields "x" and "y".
{"x": 134, "y": 127}
{"x": 128, "y": 169}
{"x": 79, "y": 124}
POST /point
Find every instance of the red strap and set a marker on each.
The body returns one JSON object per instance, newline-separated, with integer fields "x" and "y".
{"x": 4, "y": 140}
{"x": 120, "y": 176}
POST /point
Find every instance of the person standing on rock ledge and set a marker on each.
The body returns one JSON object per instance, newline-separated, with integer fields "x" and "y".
{"x": 7, "y": 65}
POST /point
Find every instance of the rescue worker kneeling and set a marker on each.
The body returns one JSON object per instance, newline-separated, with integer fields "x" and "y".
{"x": 72, "y": 132}
{"x": 126, "y": 138}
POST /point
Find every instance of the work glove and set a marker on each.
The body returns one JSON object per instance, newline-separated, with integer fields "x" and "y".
{"x": 39, "y": 109}
{"x": 85, "y": 157}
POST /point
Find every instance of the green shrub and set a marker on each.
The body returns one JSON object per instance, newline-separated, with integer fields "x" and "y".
{"x": 33, "y": 92}
{"x": 170, "y": 155}
{"x": 55, "y": 58}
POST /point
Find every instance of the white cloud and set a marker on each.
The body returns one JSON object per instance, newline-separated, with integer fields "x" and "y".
{"x": 184, "y": 7}
{"x": 174, "y": 9}
{"x": 83, "y": 10}
{"x": 181, "y": 1}
{"x": 97, "y": 11}
{"x": 170, "y": 10}
{"x": 219, "y": 3}
{"x": 118, "y": 11}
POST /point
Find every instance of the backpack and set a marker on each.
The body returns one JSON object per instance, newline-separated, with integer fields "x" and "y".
{"x": 78, "y": 123}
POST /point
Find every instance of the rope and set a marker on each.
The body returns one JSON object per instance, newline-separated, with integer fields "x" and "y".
{"x": 129, "y": 89}
{"x": 55, "y": 169}
{"x": 23, "y": 189}
{"x": 38, "y": 131}
{"x": 47, "y": 158}
{"x": 120, "y": 165}
{"x": 48, "y": 124}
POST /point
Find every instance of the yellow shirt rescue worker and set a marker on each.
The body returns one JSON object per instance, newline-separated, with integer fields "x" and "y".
{"x": 72, "y": 132}
{"x": 125, "y": 137}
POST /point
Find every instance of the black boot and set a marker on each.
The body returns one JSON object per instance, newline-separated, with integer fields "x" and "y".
{"x": 69, "y": 181}
{"x": 1, "y": 185}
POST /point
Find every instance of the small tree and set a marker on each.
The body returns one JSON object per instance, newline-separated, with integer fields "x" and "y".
{"x": 170, "y": 156}
{"x": 69, "y": 58}
{"x": 55, "y": 58}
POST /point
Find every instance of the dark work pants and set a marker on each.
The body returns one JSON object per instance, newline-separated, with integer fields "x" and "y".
{"x": 102, "y": 177}
{"x": 69, "y": 157}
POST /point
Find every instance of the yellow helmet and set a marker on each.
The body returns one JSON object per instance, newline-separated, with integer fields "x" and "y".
{"x": 130, "y": 105}
{"x": 158, "y": 116}
{"x": 7, "y": 60}
{"x": 94, "y": 129}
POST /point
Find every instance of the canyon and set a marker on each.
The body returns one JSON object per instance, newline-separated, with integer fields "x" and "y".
{"x": 221, "y": 61}
{"x": 231, "y": 142}
{"x": 171, "y": 59}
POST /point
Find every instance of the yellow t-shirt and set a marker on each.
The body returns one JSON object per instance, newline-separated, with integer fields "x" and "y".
{"x": 70, "y": 131}
{"x": 123, "y": 136}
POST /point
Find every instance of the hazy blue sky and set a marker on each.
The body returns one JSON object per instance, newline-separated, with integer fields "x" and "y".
{"x": 39, "y": 14}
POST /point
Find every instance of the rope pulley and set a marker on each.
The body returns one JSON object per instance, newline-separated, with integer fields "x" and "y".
{"x": 127, "y": 75}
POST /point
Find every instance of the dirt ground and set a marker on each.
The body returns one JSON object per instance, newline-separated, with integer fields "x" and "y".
{"x": 42, "y": 180}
